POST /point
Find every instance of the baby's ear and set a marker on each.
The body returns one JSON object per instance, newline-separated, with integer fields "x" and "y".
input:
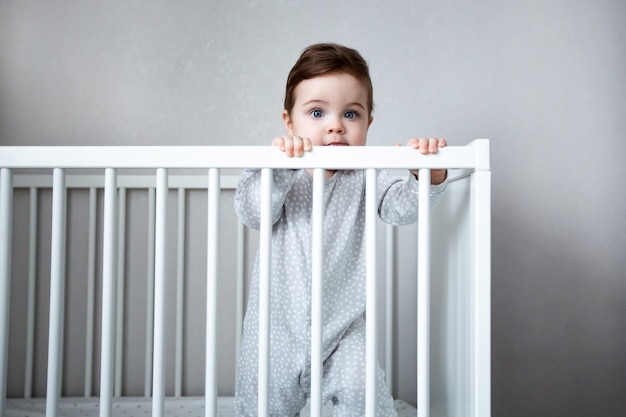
{"x": 288, "y": 122}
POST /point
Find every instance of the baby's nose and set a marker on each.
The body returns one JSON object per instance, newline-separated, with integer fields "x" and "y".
{"x": 334, "y": 125}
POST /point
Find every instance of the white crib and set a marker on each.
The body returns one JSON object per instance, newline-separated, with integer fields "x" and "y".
{"x": 81, "y": 216}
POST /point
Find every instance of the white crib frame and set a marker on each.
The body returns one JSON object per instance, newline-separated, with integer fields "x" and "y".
{"x": 475, "y": 157}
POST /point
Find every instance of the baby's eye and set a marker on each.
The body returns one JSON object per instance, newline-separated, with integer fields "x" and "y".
{"x": 351, "y": 115}
{"x": 316, "y": 113}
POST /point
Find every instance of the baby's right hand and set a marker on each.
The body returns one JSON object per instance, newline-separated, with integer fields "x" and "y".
{"x": 292, "y": 145}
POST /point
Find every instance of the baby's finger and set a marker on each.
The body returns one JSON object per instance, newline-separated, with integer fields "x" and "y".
{"x": 423, "y": 145}
{"x": 413, "y": 143}
{"x": 279, "y": 142}
{"x": 286, "y": 145}
{"x": 301, "y": 145}
{"x": 298, "y": 145}
{"x": 290, "y": 145}
{"x": 308, "y": 145}
{"x": 433, "y": 144}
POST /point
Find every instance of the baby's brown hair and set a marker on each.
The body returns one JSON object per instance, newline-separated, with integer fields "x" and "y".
{"x": 324, "y": 58}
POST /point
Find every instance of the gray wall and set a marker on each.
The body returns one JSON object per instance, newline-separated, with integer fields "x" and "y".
{"x": 543, "y": 79}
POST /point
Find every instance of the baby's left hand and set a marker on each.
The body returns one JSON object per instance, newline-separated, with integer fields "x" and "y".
{"x": 429, "y": 146}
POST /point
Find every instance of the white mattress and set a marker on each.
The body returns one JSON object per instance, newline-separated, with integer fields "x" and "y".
{"x": 141, "y": 407}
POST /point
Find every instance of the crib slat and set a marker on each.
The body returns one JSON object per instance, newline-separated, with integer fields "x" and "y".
{"x": 212, "y": 276}
{"x": 91, "y": 292}
{"x": 389, "y": 295}
{"x": 119, "y": 315}
{"x": 32, "y": 283}
{"x": 371, "y": 351}
{"x": 265, "y": 253}
{"x": 6, "y": 232}
{"x": 180, "y": 279}
{"x": 160, "y": 295}
{"x": 57, "y": 292}
{"x": 317, "y": 290}
{"x": 241, "y": 242}
{"x": 109, "y": 261}
{"x": 150, "y": 292}
{"x": 423, "y": 296}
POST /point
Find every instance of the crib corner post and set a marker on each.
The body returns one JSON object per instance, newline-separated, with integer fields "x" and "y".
{"x": 6, "y": 232}
{"x": 481, "y": 285}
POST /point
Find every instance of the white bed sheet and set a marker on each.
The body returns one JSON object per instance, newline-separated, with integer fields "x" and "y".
{"x": 142, "y": 407}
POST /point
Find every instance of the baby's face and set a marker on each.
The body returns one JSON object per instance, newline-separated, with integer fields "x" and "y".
{"x": 330, "y": 110}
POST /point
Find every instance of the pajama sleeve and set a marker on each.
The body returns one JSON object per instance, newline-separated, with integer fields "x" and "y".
{"x": 398, "y": 198}
{"x": 248, "y": 195}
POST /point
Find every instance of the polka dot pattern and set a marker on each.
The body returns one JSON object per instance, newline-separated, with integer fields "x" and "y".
{"x": 344, "y": 288}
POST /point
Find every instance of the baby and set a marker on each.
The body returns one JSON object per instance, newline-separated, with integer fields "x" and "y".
{"x": 328, "y": 102}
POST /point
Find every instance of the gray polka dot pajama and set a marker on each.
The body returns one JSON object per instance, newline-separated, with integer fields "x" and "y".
{"x": 344, "y": 288}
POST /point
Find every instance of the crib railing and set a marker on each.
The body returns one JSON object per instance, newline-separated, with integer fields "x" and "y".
{"x": 474, "y": 158}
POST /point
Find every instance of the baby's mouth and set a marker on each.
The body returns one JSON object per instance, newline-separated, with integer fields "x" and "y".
{"x": 337, "y": 144}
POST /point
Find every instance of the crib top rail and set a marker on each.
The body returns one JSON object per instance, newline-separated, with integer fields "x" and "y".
{"x": 473, "y": 156}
